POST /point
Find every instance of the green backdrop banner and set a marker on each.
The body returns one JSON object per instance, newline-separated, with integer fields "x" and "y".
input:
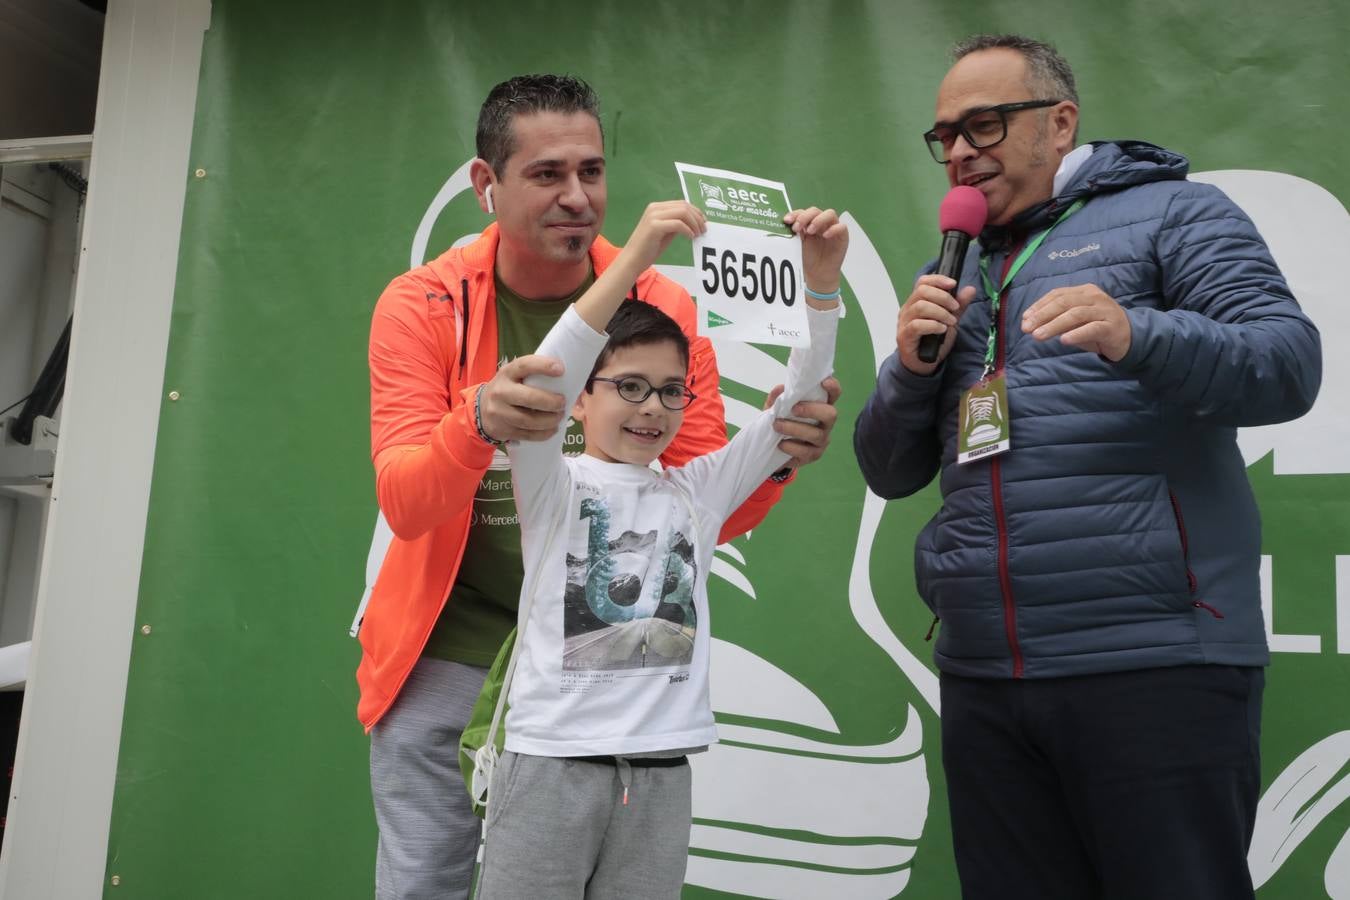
{"x": 332, "y": 143}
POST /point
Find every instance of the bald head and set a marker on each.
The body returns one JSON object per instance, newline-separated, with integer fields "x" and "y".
{"x": 1047, "y": 72}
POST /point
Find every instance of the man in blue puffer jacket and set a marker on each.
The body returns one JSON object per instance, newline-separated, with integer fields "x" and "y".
{"x": 1101, "y": 644}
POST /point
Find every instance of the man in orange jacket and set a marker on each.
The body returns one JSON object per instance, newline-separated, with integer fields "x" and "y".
{"x": 449, "y": 352}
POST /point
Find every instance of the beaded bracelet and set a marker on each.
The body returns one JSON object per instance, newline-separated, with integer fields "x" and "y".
{"x": 478, "y": 417}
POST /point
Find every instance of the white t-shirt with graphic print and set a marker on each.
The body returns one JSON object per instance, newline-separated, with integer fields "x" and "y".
{"x": 615, "y": 653}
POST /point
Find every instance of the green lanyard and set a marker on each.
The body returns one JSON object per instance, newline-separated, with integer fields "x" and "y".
{"x": 991, "y": 345}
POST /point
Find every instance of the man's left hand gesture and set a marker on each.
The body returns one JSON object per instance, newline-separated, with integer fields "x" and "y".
{"x": 1083, "y": 316}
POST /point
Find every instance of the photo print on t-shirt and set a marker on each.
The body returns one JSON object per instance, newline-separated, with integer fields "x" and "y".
{"x": 629, "y": 604}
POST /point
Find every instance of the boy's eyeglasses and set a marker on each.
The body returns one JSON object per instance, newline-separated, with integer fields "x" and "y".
{"x": 636, "y": 389}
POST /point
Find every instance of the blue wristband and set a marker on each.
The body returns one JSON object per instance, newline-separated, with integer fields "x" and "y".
{"x": 813, "y": 295}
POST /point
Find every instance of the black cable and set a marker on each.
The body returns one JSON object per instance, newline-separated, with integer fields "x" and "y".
{"x": 16, "y": 403}
{"x": 47, "y": 390}
{"x": 74, "y": 180}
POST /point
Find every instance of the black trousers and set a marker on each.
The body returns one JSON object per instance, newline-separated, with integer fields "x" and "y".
{"x": 1126, "y": 786}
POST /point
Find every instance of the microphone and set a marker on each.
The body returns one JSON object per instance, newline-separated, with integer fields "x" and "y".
{"x": 960, "y": 217}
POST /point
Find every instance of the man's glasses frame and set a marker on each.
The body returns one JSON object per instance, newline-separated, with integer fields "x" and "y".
{"x": 674, "y": 396}
{"x": 942, "y": 135}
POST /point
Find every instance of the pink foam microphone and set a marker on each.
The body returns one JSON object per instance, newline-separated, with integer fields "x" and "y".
{"x": 960, "y": 217}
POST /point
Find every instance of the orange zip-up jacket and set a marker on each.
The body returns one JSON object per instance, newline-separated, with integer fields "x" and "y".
{"x": 424, "y": 369}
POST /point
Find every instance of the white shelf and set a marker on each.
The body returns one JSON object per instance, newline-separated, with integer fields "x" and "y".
{"x": 41, "y": 491}
{"x": 51, "y": 149}
{"x": 14, "y": 666}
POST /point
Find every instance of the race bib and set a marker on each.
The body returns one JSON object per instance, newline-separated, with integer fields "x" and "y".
{"x": 749, "y": 264}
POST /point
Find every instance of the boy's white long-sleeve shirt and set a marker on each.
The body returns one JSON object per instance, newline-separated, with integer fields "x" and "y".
{"x": 615, "y": 653}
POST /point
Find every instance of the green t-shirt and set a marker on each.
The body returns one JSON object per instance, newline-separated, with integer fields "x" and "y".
{"x": 481, "y": 610}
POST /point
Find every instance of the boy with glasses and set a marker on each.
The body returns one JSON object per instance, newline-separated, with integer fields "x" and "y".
{"x": 592, "y": 797}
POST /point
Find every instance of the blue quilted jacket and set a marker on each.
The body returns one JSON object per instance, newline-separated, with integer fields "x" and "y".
{"x": 1120, "y": 531}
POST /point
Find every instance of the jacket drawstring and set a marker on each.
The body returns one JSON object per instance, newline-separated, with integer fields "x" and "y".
{"x": 625, "y": 776}
{"x": 464, "y": 330}
{"x": 932, "y": 628}
{"x": 1200, "y": 604}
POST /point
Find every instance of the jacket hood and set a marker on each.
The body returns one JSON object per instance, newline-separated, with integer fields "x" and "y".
{"x": 1113, "y": 166}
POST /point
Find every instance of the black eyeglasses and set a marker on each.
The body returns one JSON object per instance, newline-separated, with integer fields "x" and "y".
{"x": 636, "y": 389}
{"x": 982, "y": 128}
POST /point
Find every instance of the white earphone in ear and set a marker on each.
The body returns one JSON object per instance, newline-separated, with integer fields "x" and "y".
{"x": 487, "y": 196}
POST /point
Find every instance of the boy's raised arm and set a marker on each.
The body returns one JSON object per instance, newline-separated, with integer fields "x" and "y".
{"x": 576, "y": 344}
{"x": 824, "y": 244}
{"x": 726, "y": 476}
{"x": 660, "y": 223}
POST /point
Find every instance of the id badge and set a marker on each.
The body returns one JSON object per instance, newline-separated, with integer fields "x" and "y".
{"x": 984, "y": 421}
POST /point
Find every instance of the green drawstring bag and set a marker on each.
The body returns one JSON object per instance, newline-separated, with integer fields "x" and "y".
{"x": 483, "y": 739}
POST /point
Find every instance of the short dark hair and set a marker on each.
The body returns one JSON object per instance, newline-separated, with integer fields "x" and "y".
{"x": 1047, "y": 71}
{"x": 522, "y": 96}
{"x": 638, "y": 323}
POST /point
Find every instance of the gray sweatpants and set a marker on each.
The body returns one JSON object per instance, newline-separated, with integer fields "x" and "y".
{"x": 428, "y": 832}
{"x": 559, "y": 829}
